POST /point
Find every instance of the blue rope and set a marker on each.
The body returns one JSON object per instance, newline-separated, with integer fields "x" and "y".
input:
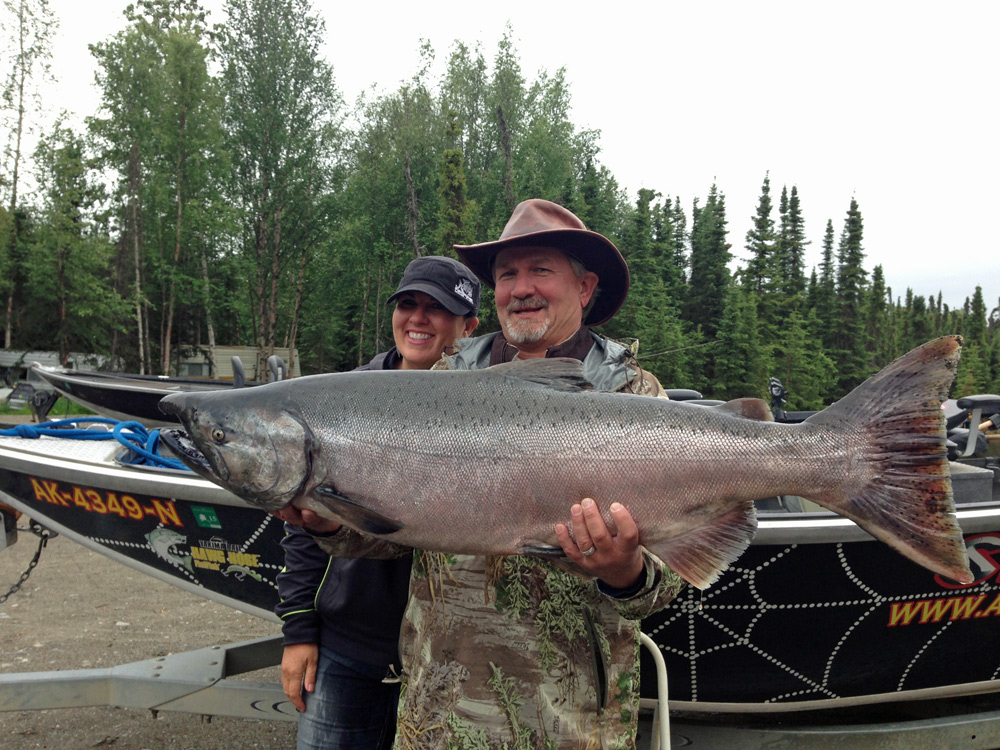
{"x": 135, "y": 436}
{"x": 56, "y": 429}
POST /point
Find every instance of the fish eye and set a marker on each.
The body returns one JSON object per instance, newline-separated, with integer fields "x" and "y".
{"x": 218, "y": 434}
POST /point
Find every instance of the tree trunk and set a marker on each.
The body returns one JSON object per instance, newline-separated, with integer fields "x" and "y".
{"x": 412, "y": 209}
{"x": 21, "y": 74}
{"x": 133, "y": 210}
{"x": 299, "y": 290}
{"x": 261, "y": 240}
{"x": 213, "y": 367}
{"x": 272, "y": 306}
{"x": 172, "y": 296}
{"x": 364, "y": 316}
{"x": 508, "y": 159}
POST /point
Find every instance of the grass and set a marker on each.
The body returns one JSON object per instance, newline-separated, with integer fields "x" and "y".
{"x": 63, "y": 407}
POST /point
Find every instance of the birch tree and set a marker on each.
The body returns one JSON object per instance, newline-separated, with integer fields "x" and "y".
{"x": 27, "y": 30}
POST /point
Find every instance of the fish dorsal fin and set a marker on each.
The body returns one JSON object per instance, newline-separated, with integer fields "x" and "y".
{"x": 558, "y": 373}
{"x": 747, "y": 408}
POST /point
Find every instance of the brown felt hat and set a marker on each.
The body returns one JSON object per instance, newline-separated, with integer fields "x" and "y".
{"x": 541, "y": 223}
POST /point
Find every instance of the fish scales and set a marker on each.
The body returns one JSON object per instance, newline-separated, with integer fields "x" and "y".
{"x": 489, "y": 461}
{"x": 587, "y": 436}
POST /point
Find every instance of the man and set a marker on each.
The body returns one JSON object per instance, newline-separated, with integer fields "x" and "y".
{"x": 513, "y": 651}
{"x": 340, "y": 617}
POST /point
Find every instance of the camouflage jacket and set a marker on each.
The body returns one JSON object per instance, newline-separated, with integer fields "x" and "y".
{"x": 514, "y": 653}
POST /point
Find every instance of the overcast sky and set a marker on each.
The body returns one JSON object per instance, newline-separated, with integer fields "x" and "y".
{"x": 892, "y": 103}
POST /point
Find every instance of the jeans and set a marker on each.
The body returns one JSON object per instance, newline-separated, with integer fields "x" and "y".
{"x": 350, "y": 709}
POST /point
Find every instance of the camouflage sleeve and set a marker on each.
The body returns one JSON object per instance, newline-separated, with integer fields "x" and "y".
{"x": 661, "y": 588}
{"x": 441, "y": 364}
{"x": 349, "y": 543}
{"x": 645, "y": 383}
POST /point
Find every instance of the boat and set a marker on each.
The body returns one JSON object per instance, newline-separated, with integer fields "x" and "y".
{"x": 816, "y": 629}
{"x": 133, "y": 397}
{"x": 166, "y": 523}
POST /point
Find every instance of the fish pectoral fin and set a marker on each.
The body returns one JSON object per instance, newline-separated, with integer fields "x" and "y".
{"x": 356, "y": 515}
{"x": 701, "y": 554}
{"x": 557, "y": 373}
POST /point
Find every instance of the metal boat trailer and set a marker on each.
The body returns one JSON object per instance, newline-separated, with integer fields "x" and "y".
{"x": 199, "y": 682}
{"x": 204, "y": 682}
{"x": 207, "y": 682}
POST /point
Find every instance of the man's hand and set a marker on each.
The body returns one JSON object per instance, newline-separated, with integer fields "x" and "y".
{"x": 308, "y": 519}
{"x": 616, "y": 558}
{"x": 298, "y": 671}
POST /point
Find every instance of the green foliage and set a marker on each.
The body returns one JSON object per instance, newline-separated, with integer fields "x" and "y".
{"x": 70, "y": 256}
{"x": 740, "y": 364}
{"x": 247, "y": 204}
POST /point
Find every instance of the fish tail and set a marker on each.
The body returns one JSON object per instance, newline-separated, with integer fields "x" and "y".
{"x": 895, "y": 420}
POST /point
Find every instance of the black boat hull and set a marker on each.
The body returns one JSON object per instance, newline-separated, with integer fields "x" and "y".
{"x": 814, "y": 615}
{"x": 125, "y": 397}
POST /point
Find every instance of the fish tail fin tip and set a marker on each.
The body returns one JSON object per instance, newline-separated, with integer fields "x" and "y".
{"x": 907, "y": 501}
{"x": 905, "y": 395}
{"x": 701, "y": 554}
{"x": 914, "y": 514}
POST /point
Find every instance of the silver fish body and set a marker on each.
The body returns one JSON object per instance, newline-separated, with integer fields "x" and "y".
{"x": 489, "y": 461}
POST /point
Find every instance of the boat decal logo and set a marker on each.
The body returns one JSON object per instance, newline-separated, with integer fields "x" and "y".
{"x": 983, "y": 549}
{"x": 226, "y": 561}
{"x": 206, "y": 517}
{"x": 162, "y": 541}
{"x": 924, "y": 611}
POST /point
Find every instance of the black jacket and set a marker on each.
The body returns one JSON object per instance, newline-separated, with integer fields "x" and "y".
{"x": 353, "y": 607}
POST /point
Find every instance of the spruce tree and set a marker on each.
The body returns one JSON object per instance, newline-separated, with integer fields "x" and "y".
{"x": 825, "y": 293}
{"x": 456, "y": 213}
{"x": 974, "y": 375}
{"x": 710, "y": 257}
{"x": 879, "y": 331}
{"x": 799, "y": 362}
{"x": 740, "y": 358}
{"x": 792, "y": 247}
{"x": 849, "y": 340}
{"x": 758, "y": 277}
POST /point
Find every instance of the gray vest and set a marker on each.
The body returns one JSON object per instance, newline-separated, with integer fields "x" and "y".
{"x": 606, "y": 364}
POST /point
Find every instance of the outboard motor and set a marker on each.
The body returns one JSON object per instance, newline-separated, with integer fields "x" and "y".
{"x": 276, "y": 368}
{"x": 778, "y": 400}
{"x": 42, "y": 402}
{"x": 966, "y": 428}
{"x": 239, "y": 374}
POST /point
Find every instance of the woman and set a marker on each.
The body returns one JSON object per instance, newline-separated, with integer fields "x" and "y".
{"x": 341, "y": 617}
{"x": 436, "y": 303}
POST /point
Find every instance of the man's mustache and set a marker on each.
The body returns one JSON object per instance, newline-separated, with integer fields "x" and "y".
{"x": 525, "y": 304}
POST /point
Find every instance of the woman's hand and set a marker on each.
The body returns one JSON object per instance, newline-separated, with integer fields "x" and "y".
{"x": 298, "y": 671}
{"x": 307, "y": 519}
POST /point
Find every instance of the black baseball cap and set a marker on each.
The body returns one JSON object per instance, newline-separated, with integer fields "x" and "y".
{"x": 445, "y": 279}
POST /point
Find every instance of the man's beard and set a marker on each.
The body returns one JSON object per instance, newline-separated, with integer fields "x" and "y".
{"x": 526, "y": 331}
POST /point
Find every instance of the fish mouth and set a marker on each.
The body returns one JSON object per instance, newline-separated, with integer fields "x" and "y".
{"x": 187, "y": 451}
{"x": 171, "y": 405}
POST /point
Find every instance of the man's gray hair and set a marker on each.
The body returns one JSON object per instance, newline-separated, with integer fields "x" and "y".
{"x": 579, "y": 270}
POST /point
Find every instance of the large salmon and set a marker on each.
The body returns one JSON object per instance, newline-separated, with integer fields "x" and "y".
{"x": 489, "y": 461}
